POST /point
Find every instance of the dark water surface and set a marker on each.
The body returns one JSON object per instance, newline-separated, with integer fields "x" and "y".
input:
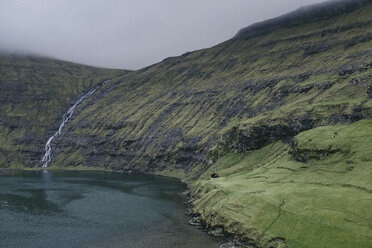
{"x": 94, "y": 209}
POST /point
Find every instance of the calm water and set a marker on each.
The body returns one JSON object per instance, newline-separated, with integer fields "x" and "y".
{"x": 94, "y": 209}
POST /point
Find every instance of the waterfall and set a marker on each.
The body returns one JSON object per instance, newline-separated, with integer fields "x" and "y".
{"x": 66, "y": 117}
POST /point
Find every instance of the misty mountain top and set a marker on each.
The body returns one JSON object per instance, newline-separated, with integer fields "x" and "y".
{"x": 125, "y": 33}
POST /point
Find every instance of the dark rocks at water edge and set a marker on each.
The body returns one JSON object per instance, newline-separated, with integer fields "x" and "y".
{"x": 214, "y": 231}
{"x": 228, "y": 245}
{"x": 197, "y": 221}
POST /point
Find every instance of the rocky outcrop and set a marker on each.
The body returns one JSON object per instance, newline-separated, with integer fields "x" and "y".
{"x": 305, "y": 154}
{"x": 249, "y": 137}
{"x": 255, "y": 137}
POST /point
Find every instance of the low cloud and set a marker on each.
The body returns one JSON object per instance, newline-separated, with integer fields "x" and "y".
{"x": 127, "y": 34}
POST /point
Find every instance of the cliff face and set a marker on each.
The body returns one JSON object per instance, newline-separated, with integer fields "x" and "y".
{"x": 35, "y": 92}
{"x": 244, "y": 93}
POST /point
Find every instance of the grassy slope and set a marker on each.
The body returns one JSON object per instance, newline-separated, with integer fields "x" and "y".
{"x": 175, "y": 111}
{"x": 324, "y": 202}
{"x": 35, "y": 92}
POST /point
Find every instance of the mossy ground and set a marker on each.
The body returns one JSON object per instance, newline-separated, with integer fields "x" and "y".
{"x": 267, "y": 194}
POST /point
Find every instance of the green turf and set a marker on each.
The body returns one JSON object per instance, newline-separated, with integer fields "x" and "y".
{"x": 324, "y": 202}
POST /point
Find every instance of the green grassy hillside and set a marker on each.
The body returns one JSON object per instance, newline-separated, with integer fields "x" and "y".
{"x": 315, "y": 192}
{"x": 35, "y": 92}
{"x": 247, "y": 92}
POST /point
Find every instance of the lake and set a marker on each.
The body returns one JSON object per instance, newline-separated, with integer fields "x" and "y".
{"x": 95, "y": 209}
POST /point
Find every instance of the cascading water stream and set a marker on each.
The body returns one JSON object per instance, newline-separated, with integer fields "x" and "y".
{"x": 66, "y": 117}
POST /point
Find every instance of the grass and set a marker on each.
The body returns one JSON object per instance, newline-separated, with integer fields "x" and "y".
{"x": 267, "y": 194}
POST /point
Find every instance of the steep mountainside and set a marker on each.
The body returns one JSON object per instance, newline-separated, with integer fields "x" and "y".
{"x": 245, "y": 92}
{"x": 35, "y": 92}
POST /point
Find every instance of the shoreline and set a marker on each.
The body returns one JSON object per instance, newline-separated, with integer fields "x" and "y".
{"x": 232, "y": 240}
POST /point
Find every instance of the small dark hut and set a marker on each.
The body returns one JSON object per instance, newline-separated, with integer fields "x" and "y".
{"x": 214, "y": 175}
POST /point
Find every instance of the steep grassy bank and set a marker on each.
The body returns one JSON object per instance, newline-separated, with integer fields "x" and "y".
{"x": 35, "y": 92}
{"x": 261, "y": 89}
{"x": 316, "y": 192}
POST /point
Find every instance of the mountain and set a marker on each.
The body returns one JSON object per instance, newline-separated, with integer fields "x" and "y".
{"x": 281, "y": 112}
{"x": 35, "y": 92}
{"x": 271, "y": 87}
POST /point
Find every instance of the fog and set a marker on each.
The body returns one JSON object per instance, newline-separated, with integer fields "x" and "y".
{"x": 127, "y": 34}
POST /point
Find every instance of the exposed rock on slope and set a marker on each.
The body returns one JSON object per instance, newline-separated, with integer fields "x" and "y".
{"x": 248, "y": 91}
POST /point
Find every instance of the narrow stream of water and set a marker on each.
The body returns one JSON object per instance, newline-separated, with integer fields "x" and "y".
{"x": 47, "y": 157}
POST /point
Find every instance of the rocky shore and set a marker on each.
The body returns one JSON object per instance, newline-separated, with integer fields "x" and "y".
{"x": 196, "y": 220}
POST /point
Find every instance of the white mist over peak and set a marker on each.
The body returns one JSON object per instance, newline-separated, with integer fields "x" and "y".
{"x": 125, "y": 33}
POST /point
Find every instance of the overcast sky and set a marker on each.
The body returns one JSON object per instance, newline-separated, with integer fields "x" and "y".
{"x": 128, "y": 34}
